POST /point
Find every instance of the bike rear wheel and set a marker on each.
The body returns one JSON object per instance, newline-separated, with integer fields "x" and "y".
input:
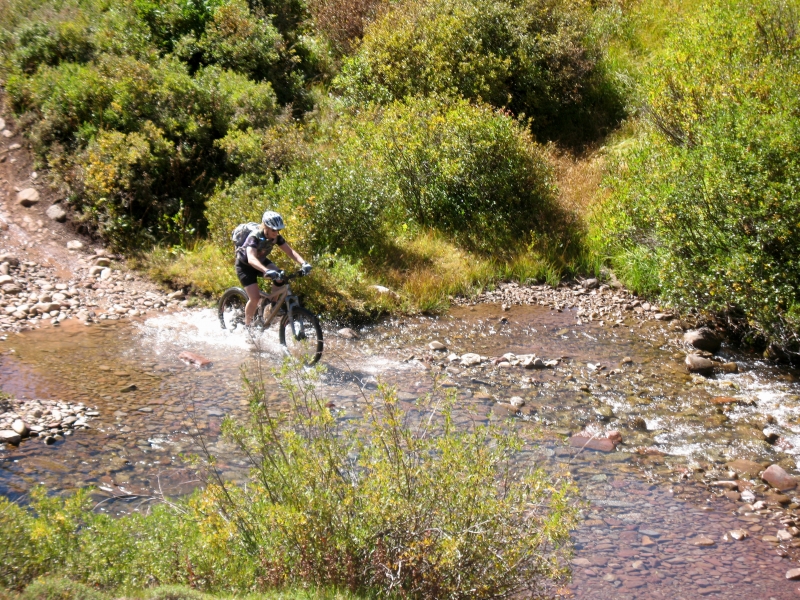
{"x": 303, "y": 336}
{"x": 231, "y": 308}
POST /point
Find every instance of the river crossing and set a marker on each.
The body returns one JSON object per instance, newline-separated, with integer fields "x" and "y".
{"x": 651, "y": 529}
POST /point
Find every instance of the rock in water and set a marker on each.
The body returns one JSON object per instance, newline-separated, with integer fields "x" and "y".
{"x": 600, "y": 444}
{"x": 470, "y": 359}
{"x": 348, "y": 334}
{"x": 703, "y": 339}
{"x": 194, "y": 359}
{"x": 20, "y": 427}
{"x": 10, "y": 437}
{"x": 745, "y": 468}
{"x": 437, "y": 346}
{"x": 28, "y": 197}
{"x": 778, "y": 478}
{"x": 698, "y": 364}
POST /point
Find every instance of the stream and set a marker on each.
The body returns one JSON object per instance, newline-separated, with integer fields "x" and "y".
{"x": 651, "y": 528}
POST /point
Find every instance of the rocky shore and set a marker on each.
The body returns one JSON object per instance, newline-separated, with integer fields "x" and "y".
{"x": 100, "y": 289}
{"x": 49, "y": 420}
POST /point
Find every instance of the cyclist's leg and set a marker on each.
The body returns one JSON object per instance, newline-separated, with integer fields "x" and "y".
{"x": 248, "y": 277}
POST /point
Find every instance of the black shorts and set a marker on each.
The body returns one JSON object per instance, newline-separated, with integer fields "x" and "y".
{"x": 248, "y": 275}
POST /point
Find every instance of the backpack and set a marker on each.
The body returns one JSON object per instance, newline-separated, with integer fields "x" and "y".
{"x": 241, "y": 233}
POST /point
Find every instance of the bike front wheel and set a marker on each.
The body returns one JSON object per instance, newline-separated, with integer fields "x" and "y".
{"x": 302, "y": 337}
{"x": 231, "y": 308}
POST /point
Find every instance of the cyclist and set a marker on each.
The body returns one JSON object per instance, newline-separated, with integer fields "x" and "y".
{"x": 252, "y": 261}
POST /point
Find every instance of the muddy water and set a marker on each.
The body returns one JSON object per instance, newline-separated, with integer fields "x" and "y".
{"x": 639, "y": 539}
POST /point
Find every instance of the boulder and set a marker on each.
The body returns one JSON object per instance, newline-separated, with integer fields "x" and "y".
{"x": 28, "y": 197}
{"x": 516, "y": 401}
{"x": 57, "y": 213}
{"x": 10, "y": 259}
{"x": 470, "y": 359}
{"x": 729, "y": 367}
{"x": 4, "y": 279}
{"x": 775, "y": 476}
{"x": 20, "y": 427}
{"x": 533, "y": 362}
{"x": 793, "y": 574}
{"x": 11, "y": 289}
{"x": 703, "y": 339}
{"x": 194, "y": 359}
{"x": 599, "y": 444}
{"x": 348, "y": 333}
{"x": 698, "y": 364}
{"x": 10, "y": 437}
{"x": 590, "y": 284}
{"x": 437, "y": 346}
{"x": 74, "y": 245}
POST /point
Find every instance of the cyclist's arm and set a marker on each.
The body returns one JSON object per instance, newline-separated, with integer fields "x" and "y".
{"x": 292, "y": 253}
{"x": 253, "y": 261}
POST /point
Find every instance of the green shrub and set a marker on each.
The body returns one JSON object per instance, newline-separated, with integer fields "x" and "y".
{"x": 469, "y": 171}
{"x": 176, "y": 592}
{"x": 59, "y": 589}
{"x": 397, "y": 504}
{"x": 410, "y": 506}
{"x": 709, "y": 190}
{"x": 533, "y": 57}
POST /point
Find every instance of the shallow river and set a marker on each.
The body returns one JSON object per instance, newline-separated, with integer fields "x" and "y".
{"x": 639, "y": 537}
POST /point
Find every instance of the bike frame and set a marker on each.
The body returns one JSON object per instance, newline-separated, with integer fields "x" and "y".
{"x": 283, "y": 295}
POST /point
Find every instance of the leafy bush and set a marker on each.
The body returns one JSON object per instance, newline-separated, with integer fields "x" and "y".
{"x": 343, "y": 22}
{"x": 709, "y": 191}
{"x": 423, "y": 509}
{"x": 401, "y": 503}
{"x": 59, "y": 589}
{"x": 470, "y": 172}
{"x": 534, "y": 57}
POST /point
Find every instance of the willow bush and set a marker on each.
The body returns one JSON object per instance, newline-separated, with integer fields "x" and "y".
{"x": 401, "y": 503}
{"x": 706, "y": 199}
{"x": 535, "y": 57}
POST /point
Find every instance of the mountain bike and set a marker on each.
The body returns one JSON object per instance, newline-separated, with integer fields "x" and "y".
{"x": 299, "y": 329}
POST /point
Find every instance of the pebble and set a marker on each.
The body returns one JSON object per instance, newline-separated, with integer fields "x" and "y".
{"x": 57, "y": 213}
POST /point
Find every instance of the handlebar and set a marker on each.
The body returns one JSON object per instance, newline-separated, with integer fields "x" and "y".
{"x": 283, "y": 277}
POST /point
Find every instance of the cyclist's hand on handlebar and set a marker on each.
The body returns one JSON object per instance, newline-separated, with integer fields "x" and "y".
{"x": 273, "y": 274}
{"x": 305, "y": 269}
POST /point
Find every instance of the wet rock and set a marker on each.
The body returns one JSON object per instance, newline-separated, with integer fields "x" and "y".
{"x": 729, "y": 367}
{"x": 639, "y": 423}
{"x": 57, "y": 213}
{"x": 703, "y": 339}
{"x": 599, "y": 444}
{"x": 793, "y": 574}
{"x": 738, "y": 534}
{"x": 698, "y": 364}
{"x": 663, "y": 316}
{"x": 779, "y": 479}
{"x": 437, "y": 346}
{"x": 605, "y": 412}
{"x": 28, "y": 197}
{"x": 745, "y": 468}
{"x": 347, "y": 333}
{"x": 616, "y": 439}
{"x": 194, "y": 359}
{"x": 723, "y": 400}
{"x": 20, "y": 427}
{"x": 703, "y": 541}
{"x": 10, "y": 436}
{"x": 470, "y": 359}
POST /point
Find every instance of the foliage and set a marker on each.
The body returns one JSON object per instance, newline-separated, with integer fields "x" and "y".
{"x": 709, "y": 190}
{"x": 343, "y": 22}
{"x": 126, "y": 102}
{"x": 59, "y": 589}
{"x": 534, "y": 57}
{"x": 401, "y": 503}
{"x": 409, "y": 504}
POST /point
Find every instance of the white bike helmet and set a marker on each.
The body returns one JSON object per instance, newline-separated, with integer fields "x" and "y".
{"x": 273, "y": 220}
